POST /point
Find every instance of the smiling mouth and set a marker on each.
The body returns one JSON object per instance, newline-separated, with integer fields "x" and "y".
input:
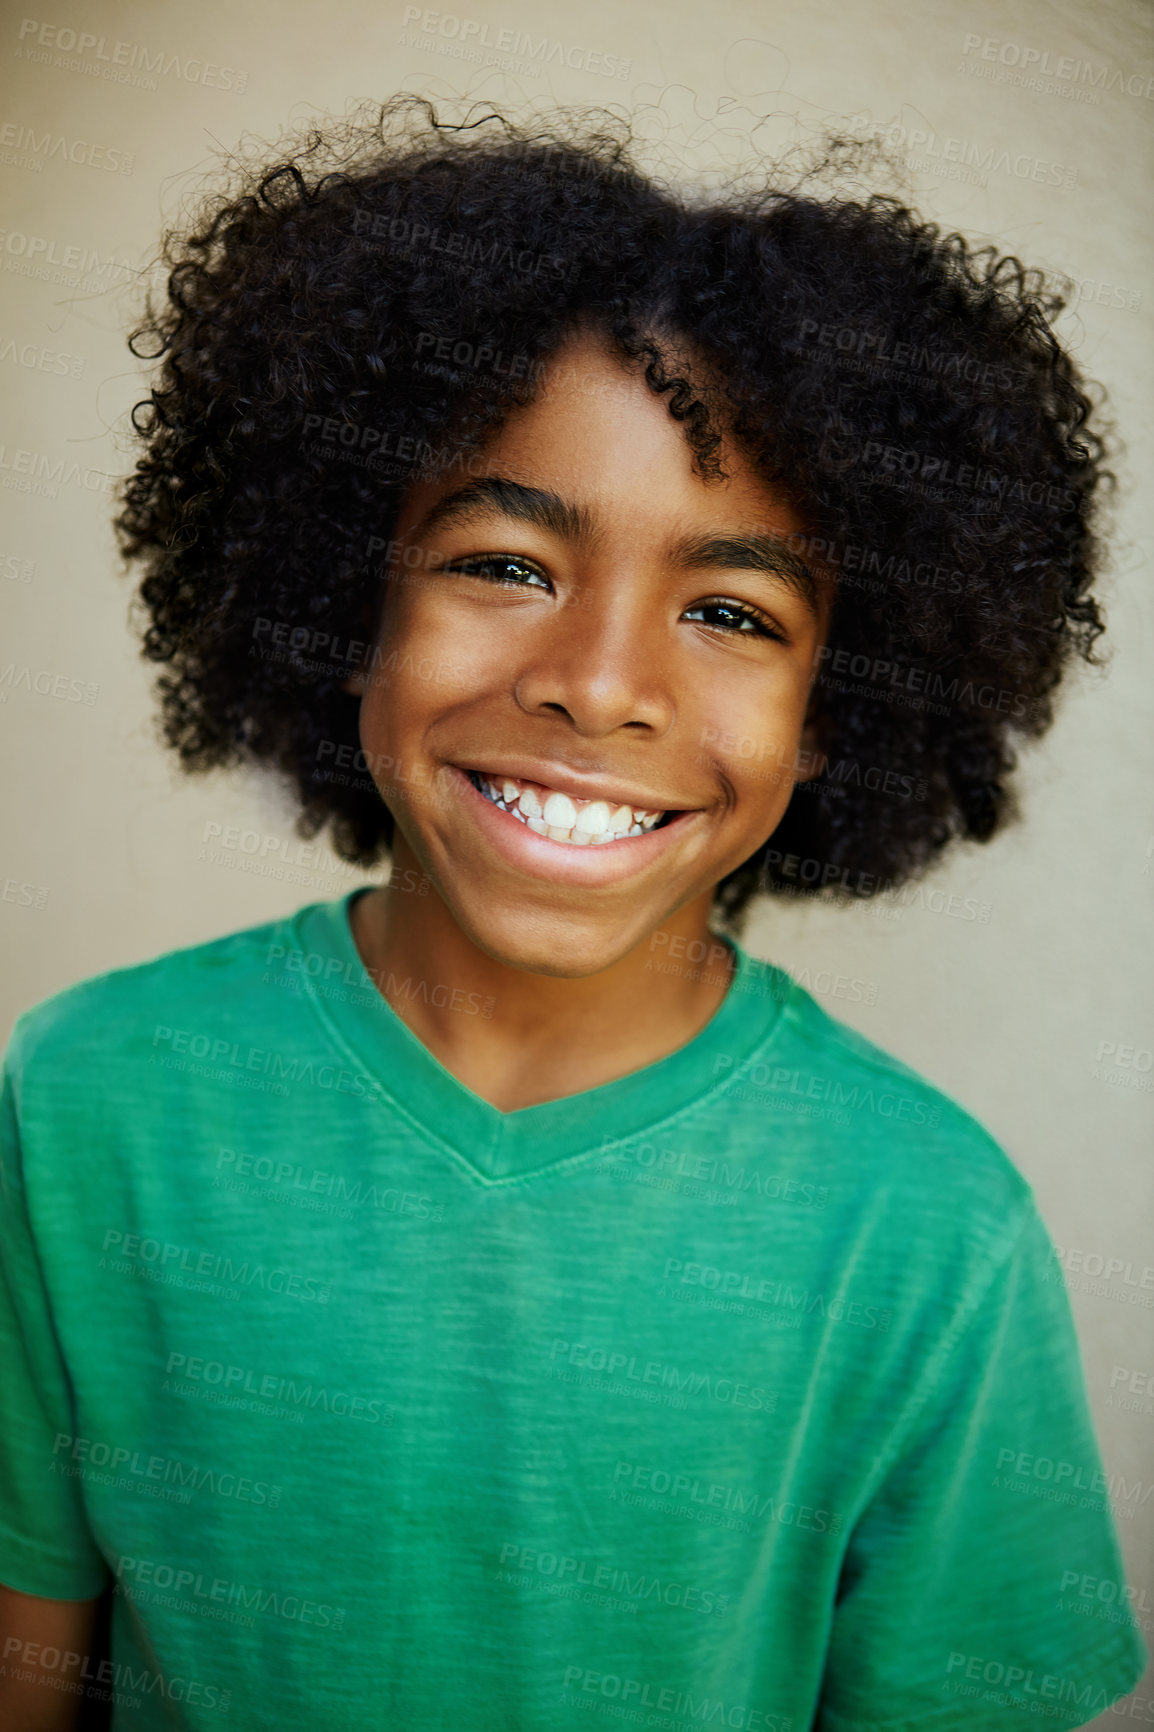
{"x": 581, "y": 823}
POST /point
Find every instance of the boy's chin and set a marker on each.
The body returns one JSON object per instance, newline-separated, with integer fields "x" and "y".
{"x": 562, "y": 948}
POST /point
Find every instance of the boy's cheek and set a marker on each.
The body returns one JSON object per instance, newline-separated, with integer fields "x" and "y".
{"x": 755, "y": 750}
{"x": 761, "y": 767}
{"x": 762, "y": 779}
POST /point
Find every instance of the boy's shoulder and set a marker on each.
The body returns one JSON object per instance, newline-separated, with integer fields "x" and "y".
{"x": 895, "y": 1117}
{"x": 94, "y": 1017}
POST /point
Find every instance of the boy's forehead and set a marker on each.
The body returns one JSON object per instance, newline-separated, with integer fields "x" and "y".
{"x": 596, "y": 454}
{"x": 587, "y": 374}
{"x": 596, "y": 436}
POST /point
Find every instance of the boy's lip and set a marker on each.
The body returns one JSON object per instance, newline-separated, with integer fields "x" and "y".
{"x": 560, "y": 862}
{"x": 578, "y": 784}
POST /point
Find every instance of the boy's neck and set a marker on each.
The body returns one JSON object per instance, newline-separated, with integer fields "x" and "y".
{"x": 546, "y": 1037}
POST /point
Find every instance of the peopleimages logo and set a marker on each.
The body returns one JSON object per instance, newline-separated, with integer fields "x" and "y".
{"x": 270, "y": 1386}
{"x": 470, "y": 35}
{"x": 165, "y": 1469}
{"x": 170, "y": 1263}
{"x": 966, "y": 154}
{"x": 119, "y": 62}
{"x": 1013, "y": 1686}
{"x": 67, "y": 257}
{"x": 218, "y": 1590}
{"x": 738, "y": 1284}
{"x": 1039, "y": 62}
{"x": 665, "y": 1699}
{"x": 739, "y": 1499}
{"x": 40, "y": 147}
{"x": 611, "y": 1578}
{"x": 73, "y": 1669}
{"x": 626, "y": 1365}
{"x": 222, "y": 1051}
{"x": 781, "y": 1079}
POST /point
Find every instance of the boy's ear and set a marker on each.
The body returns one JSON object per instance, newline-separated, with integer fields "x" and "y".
{"x": 356, "y": 683}
{"x": 810, "y": 748}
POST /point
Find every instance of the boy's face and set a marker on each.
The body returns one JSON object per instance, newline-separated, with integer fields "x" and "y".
{"x": 579, "y": 611}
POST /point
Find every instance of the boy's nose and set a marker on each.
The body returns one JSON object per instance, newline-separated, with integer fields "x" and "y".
{"x": 599, "y": 673}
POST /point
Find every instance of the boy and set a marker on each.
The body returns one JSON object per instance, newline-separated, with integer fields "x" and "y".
{"x": 519, "y": 1302}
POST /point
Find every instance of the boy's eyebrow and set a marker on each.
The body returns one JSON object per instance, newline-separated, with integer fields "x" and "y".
{"x": 545, "y": 510}
{"x": 764, "y": 553}
{"x": 534, "y": 505}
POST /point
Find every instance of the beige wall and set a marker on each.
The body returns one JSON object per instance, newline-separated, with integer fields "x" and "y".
{"x": 1008, "y": 1015}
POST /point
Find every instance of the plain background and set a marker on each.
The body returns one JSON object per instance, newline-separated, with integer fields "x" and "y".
{"x": 110, "y": 856}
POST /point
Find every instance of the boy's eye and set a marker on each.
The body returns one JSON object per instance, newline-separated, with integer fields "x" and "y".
{"x": 508, "y": 570}
{"x": 501, "y": 568}
{"x": 734, "y": 616}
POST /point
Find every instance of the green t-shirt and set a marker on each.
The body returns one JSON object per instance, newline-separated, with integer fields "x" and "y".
{"x": 739, "y": 1392}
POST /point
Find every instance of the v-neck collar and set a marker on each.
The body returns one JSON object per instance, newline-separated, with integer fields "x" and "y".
{"x": 502, "y": 1148}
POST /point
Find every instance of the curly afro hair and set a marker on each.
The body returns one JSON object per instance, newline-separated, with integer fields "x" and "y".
{"x": 902, "y": 386}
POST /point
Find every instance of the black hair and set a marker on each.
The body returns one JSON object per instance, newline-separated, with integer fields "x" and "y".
{"x": 328, "y": 334}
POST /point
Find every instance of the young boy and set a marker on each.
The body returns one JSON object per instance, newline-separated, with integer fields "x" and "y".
{"x": 497, "y": 1298}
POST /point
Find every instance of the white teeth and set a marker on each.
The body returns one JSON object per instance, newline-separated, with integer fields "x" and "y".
{"x": 560, "y": 813}
{"x": 560, "y": 819}
{"x": 594, "y": 818}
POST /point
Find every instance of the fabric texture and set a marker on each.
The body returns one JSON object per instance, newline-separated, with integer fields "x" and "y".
{"x": 742, "y": 1391}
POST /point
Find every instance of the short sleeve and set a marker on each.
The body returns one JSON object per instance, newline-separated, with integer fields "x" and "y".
{"x": 46, "y": 1546}
{"x": 960, "y": 1599}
